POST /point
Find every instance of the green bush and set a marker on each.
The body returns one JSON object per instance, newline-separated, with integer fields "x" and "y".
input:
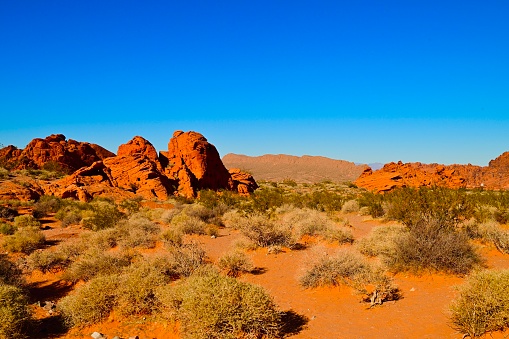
{"x": 47, "y": 204}
{"x": 502, "y": 216}
{"x": 104, "y": 215}
{"x": 48, "y": 261}
{"x": 215, "y": 306}
{"x": 4, "y": 173}
{"x": 234, "y": 263}
{"x": 172, "y": 237}
{"x": 91, "y": 302}
{"x": 25, "y": 239}
{"x": 14, "y": 312}
{"x": 26, "y": 221}
{"x": 6, "y": 229}
{"x": 483, "y": 304}
{"x": 374, "y": 204}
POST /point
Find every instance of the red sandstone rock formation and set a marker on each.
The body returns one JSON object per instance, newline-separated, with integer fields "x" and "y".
{"x": 191, "y": 164}
{"x": 70, "y": 155}
{"x": 393, "y": 175}
{"x": 243, "y": 182}
{"x": 195, "y": 163}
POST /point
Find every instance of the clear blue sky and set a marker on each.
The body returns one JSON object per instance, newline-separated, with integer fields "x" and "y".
{"x": 364, "y": 81}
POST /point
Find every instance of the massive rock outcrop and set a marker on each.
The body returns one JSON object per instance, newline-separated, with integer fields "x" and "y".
{"x": 195, "y": 163}
{"x": 393, "y": 175}
{"x": 190, "y": 164}
{"x": 54, "y": 150}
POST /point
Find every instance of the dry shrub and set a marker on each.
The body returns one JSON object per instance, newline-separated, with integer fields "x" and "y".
{"x": 47, "y": 261}
{"x": 189, "y": 224}
{"x": 264, "y": 232}
{"x": 10, "y": 273}
{"x": 172, "y": 237}
{"x": 8, "y": 213}
{"x": 483, "y": 304}
{"x": 210, "y": 305}
{"x": 350, "y": 206}
{"x": 137, "y": 231}
{"x": 232, "y": 219}
{"x": 351, "y": 269}
{"x": 91, "y": 302}
{"x": 25, "y": 240}
{"x": 428, "y": 245}
{"x": 47, "y": 204}
{"x": 490, "y": 232}
{"x": 14, "y": 312}
{"x": 186, "y": 259}
{"x": 234, "y": 263}
{"x": 381, "y": 240}
{"x": 96, "y": 262}
{"x": 137, "y": 285}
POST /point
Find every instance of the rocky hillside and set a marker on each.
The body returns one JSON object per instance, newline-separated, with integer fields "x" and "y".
{"x": 305, "y": 169}
{"x": 190, "y": 164}
{"x": 393, "y": 175}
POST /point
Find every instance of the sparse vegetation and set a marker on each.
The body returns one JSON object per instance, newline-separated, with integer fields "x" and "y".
{"x": 483, "y": 304}
{"x": 210, "y": 305}
{"x": 234, "y": 263}
{"x": 351, "y": 269}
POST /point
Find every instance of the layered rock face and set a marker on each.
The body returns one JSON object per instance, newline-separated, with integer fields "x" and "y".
{"x": 70, "y": 155}
{"x": 394, "y": 175}
{"x": 190, "y": 164}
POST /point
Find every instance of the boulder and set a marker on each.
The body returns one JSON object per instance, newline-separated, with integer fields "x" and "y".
{"x": 243, "y": 182}
{"x": 195, "y": 163}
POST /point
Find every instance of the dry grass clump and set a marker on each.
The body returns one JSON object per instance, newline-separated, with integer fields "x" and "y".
{"x": 311, "y": 222}
{"x": 234, "y": 263}
{"x": 381, "y": 240}
{"x": 483, "y": 304}
{"x": 137, "y": 231}
{"x": 96, "y": 262}
{"x": 264, "y": 232}
{"x": 209, "y": 305}
{"x": 232, "y": 219}
{"x": 351, "y": 269}
{"x": 490, "y": 232}
{"x": 25, "y": 240}
{"x": 189, "y": 224}
{"x": 350, "y": 206}
{"x": 14, "y": 311}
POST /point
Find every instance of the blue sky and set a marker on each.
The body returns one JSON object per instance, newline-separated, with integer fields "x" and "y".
{"x": 364, "y": 81}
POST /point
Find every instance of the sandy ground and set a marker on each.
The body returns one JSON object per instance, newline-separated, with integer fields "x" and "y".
{"x": 334, "y": 312}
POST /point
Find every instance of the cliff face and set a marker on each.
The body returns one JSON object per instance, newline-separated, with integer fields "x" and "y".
{"x": 393, "y": 175}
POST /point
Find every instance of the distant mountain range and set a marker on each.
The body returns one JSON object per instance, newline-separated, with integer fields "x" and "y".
{"x": 305, "y": 169}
